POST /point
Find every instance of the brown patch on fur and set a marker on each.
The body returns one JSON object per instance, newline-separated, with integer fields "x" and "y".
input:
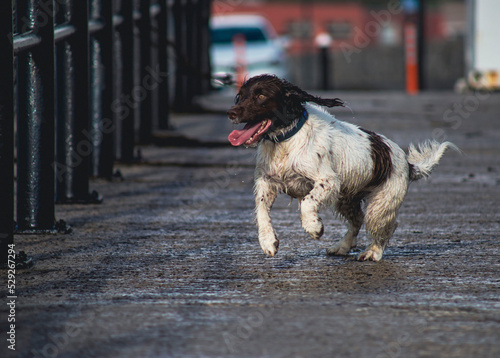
{"x": 381, "y": 156}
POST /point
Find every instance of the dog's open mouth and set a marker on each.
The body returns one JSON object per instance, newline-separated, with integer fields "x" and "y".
{"x": 250, "y": 134}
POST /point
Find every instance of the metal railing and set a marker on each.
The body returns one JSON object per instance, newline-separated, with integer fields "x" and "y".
{"x": 82, "y": 82}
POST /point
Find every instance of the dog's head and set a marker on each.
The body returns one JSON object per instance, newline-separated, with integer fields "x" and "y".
{"x": 269, "y": 106}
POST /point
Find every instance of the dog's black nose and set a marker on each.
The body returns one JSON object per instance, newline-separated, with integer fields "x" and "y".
{"x": 232, "y": 114}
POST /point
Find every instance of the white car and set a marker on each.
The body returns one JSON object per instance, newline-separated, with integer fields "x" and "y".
{"x": 263, "y": 51}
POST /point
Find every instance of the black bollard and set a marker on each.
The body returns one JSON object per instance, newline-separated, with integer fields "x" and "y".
{"x": 163, "y": 89}
{"x": 126, "y": 106}
{"x": 102, "y": 118}
{"x": 325, "y": 68}
{"x": 36, "y": 129}
{"x": 6, "y": 131}
{"x": 74, "y": 141}
{"x": 145, "y": 105}
{"x": 324, "y": 41}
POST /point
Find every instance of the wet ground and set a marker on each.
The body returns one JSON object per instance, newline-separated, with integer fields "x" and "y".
{"x": 169, "y": 264}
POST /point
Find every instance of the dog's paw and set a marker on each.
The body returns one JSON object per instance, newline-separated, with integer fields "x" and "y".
{"x": 372, "y": 253}
{"x": 270, "y": 247}
{"x": 314, "y": 227}
{"x": 269, "y": 242}
{"x": 339, "y": 249}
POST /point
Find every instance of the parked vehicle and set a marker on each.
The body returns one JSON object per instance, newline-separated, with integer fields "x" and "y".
{"x": 262, "y": 50}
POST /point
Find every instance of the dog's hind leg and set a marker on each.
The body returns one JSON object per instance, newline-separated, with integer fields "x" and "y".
{"x": 380, "y": 221}
{"x": 352, "y": 212}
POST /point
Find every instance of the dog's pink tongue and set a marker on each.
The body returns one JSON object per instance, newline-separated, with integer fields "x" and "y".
{"x": 238, "y": 137}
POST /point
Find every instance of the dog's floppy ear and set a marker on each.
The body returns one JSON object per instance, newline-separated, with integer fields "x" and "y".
{"x": 302, "y": 96}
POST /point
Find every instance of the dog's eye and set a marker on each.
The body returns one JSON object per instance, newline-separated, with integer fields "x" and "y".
{"x": 261, "y": 96}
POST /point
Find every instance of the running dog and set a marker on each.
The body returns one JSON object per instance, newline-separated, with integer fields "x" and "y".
{"x": 306, "y": 153}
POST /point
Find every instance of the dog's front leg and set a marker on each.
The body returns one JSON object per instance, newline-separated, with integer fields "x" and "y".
{"x": 324, "y": 190}
{"x": 265, "y": 195}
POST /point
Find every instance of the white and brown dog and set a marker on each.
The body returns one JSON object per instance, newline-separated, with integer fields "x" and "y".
{"x": 306, "y": 153}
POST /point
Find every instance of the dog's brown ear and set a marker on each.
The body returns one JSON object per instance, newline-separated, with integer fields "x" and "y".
{"x": 302, "y": 96}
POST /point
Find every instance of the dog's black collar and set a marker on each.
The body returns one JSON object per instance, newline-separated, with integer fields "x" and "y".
{"x": 284, "y": 136}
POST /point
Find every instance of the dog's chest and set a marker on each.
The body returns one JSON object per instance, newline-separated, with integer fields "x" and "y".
{"x": 279, "y": 168}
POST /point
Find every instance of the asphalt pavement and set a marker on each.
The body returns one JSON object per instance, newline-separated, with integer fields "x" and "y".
{"x": 169, "y": 265}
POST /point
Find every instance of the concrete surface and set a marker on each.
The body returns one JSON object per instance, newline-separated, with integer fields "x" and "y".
{"x": 169, "y": 264}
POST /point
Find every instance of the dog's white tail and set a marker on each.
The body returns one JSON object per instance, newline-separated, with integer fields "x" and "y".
{"x": 426, "y": 157}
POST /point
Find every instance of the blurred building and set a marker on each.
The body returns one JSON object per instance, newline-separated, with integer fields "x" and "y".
{"x": 483, "y": 52}
{"x": 367, "y": 50}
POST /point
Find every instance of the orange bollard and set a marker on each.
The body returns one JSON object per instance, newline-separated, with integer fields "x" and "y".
{"x": 412, "y": 85}
{"x": 239, "y": 43}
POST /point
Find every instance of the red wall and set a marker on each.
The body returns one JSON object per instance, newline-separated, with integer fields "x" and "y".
{"x": 321, "y": 14}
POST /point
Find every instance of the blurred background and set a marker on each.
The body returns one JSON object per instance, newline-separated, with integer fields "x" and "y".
{"x": 359, "y": 44}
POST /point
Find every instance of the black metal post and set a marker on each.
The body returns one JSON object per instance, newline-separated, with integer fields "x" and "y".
{"x": 152, "y": 79}
{"x": 96, "y": 78}
{"x": 191, "y": 71}
{"x": 66, "y": 152}
{"x": 146, "y": 83}
{"x": 204, "y": 46}
{"x": 80, "y": 19}
{"x": 65, "y": 157}
{"x": 74, "y": 139}
{"x": 192, "y": 41}
{"x": 6, "y": 130}
{"x": 108, "y": 123}
{"x": 36, "y": 135}
{"x": 102, "y": 121}
{"x": 181, "y": 49}
{"x": 163, "y": 90}
{"x": 125, "y": 104}
{"x": 325, "y": 68}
